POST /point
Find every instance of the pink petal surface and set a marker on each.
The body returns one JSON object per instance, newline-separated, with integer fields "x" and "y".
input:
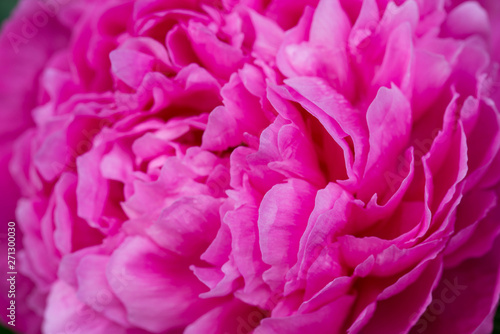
{"x": 252, "y": 166}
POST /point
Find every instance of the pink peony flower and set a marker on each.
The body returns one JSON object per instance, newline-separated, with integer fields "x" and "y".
{"x": 255, "y": 167}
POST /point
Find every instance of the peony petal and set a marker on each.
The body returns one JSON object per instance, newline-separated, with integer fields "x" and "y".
{"x": 467, "y": 19}
{"x": 281, "y": 224}
{"x": 398, "y": 64}
{"x": 389, "y": 317}
{"x": 188, "y": 226}
{"x": 329, "y": 107}
{"x": 473, "y": 286}
{"x": 320, "y": 321}
{"x": 232, "y": 317}
{"x": 65, "y": 312}
{"x": 330, "y": 24}
{"x": 94, "y": 290}
{"x": 206, "y": 46}
{"x": 155, "y": 278}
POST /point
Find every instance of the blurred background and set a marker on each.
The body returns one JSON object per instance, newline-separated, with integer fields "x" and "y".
{"x": 6, "y": 7}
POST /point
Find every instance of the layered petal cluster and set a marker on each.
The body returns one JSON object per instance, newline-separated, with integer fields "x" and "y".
{"x": 266, "y": 167}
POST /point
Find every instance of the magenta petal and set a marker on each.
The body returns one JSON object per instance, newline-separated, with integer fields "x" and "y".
{"x": 188, "y": 226}
{"x": 222, "y": 130}
{"x": 389, "y": 122}
{"x": 53, "y": 155}
{"x": 268, "y": 36}
{"x": 66, "y": 312}
{"x": 179, "y": 48}
{"x": 252, "y": 166}
{"x": 390, "y": 318}
{"x": 485, "y": 138}
{"x": 327, "y": 219}
{"x": 329, "y": 107}
{"x": 231, "y": 317}
{"x": 71, "y": 232}
{"x": 151, "y": 276}
{"x": 397, "y": 66}
{"x": 467, "y": 19}
{"x": 281, "y": 224}
{"x": 246, "y": 253}
{"x": 223, "y": 284}
{"x": 131, "y": 66}
{"x": 17, "y": 99}
{"x": 91, "y": 192}
{"x": 431, "y": 72}
{"x": 94, "y": 290}
{"x": 320, "y": 321}
{"x": 330, "y": 24}
{"x": 474, "y": 207}
{"x": 473, "y": 286}
{"x": 292, "y": 37}
{"x": 217, "y": 56}
{"x": 151, "y": 196}
{"x": 481, "y": 239}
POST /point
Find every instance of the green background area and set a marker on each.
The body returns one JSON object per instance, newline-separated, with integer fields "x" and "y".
{"x": 4, "y": 330}
{"x": 5, "y": 8}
